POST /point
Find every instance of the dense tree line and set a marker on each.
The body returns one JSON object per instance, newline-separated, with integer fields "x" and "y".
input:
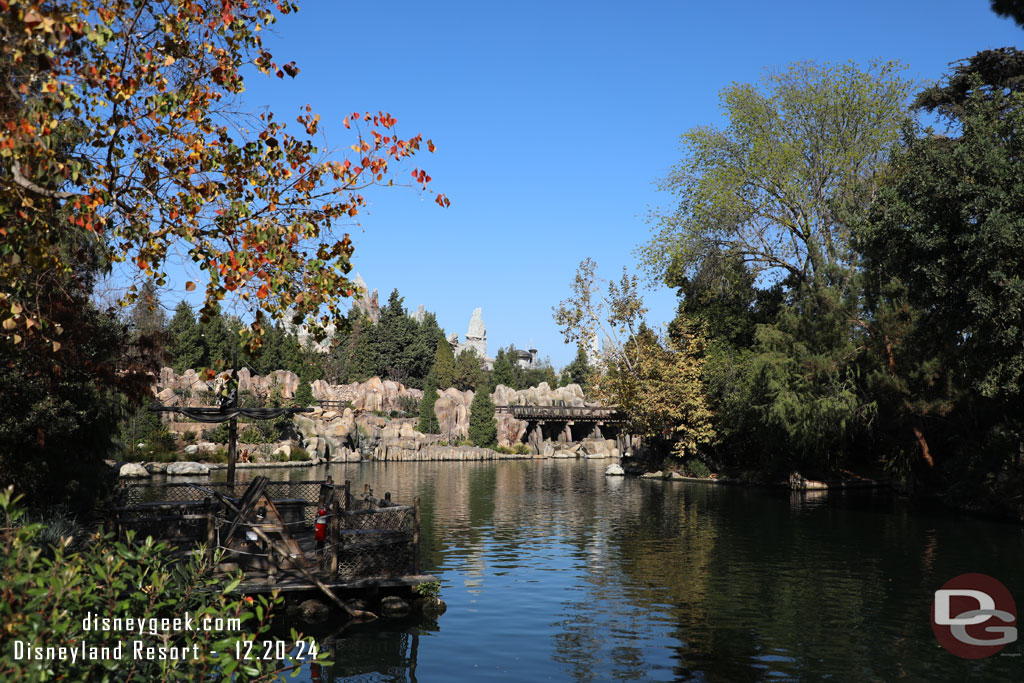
{"x": 856, "y": 276}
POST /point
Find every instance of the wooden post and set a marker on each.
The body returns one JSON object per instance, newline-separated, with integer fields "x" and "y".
{"x": 332, "y": 537}
{"x": 416, "y": 537}
{"x": 211, "y": 529}
{"x": 348, "y": 495}
{"x": 232, "y": 450}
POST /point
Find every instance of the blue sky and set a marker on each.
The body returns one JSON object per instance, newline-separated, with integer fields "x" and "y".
{"x": 554, "y": 119}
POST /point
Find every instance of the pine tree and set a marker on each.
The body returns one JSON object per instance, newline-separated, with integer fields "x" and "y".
{"x": 444, "y": 365}
{"x": 304, "y": 394}
{"x": 147, "y": 317}
{"x": 579, "y": 370}
{"x": 218, "y": 343}
{"x": 503, "y": 372}
{"x": 428, "y": 419}
{"x": 483, "y": 430}
{"x": 184, "y": 340}
{"x": 468, "y": 374}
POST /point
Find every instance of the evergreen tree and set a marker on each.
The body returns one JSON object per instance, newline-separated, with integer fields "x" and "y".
{"x": 428, "y": 419}
{"x": 362, "y": 356}
{"x": 218, "y": 343}
{"x": 397, "y": 334}
{"x": 483, "y": 430}
{"x": 304, "y": 394}
{"x": 444, "y": 365}
{"x": 422, "y": 350}
{"x": 468, "y": 374}
{"x": 579, "y": 370}
{"x": 503, "y": 370}
{"x": 147, "y": 317}
{"x": 184, "y": 340}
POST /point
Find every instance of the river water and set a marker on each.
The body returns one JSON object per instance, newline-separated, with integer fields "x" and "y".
{"x": 552, "y": 571}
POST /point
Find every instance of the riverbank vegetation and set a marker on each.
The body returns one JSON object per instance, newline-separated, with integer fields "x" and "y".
{"x": 854, "y": 278}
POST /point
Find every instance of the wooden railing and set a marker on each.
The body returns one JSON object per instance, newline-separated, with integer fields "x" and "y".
{"x": 581, "y": 413}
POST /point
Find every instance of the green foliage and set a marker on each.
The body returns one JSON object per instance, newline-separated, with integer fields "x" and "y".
{"x": 409, "y": 405}
{"x": 304, "y": 395}
{"x": 579, "y": 371}
{"x": 428, "y": 419}
{"x": 218, "y": 434}
{"x": 143, "y": 426}
{"x": 444, "y": 365}
{"x": 184, "y": 340}
{"x": 695, "y": 467}
{"x": 299, "y": 455}
{"x": 521, "y": 449}
{"x": 47, "y": 595}
{"x": 189, "y": 436}
{"x": 468, "y": 373}
{"x": 798, "y": 148}
{"x": 428, "y": 588}
{"x": 503, "y": 371}
{"x": 483, "y": 429}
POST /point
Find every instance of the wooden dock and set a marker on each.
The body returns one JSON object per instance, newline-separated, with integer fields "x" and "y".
{"x": 267, "y": 530}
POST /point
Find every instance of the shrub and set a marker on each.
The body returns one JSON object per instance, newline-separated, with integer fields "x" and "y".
{"x": 46, "y": 597}
{"x": 465, "y": 442}
{"x": 409, "y": 405}
{"x": 218, "y": 434}
{"x": 695, "y": 467}
{"x": 504, "y": 449}
{"x": 189, "y": 436}
{"x": 218, "y": 456}
{"x": 522, "y": 449}
{"x": 251, "y": 435}
{"x": 299, "y": 455}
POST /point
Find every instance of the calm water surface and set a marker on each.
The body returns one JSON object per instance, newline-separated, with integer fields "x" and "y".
{"x": 552, "y": 571}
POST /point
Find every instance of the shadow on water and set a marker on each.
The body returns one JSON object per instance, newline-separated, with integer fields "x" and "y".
{"x": 553, "y": 571}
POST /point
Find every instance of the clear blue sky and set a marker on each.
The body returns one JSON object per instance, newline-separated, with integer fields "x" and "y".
{"x": 553, "y": 120}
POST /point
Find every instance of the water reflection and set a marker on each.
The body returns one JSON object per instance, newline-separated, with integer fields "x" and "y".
{"x": 552, "y": 570}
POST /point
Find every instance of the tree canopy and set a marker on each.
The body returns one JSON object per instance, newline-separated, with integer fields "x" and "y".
{"x": 120, "y": 118}
{"x": 799, "y": 147}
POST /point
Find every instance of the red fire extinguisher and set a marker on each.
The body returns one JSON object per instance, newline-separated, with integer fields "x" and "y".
{"x": 321, "y": 525}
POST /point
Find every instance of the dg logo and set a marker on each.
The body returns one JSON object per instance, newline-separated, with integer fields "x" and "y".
{"x": 974, "y": 616}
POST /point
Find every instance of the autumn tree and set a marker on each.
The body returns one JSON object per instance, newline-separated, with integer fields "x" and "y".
{"x": 656, "y": 382}
{"x": 121, "y": 119}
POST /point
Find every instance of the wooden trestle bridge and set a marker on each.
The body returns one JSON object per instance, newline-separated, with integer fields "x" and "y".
{"x": 267, "y": 529}
{"x": 568, "y": 423}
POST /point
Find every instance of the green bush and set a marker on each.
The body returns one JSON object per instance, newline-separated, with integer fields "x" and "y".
{"x": 251, "y": 434}
{"x": 505, "y": 449}
{"x": 695, "y": 467}
{"x": 48, "y": 595}
{"x": 189, "y": 436}
{"x": 465, "y": 442}
{"x": 299, "y": 455}
{"x": 522, "y": 449}
{"x": 409, "y": 405}
{"x": 218, "y": 434}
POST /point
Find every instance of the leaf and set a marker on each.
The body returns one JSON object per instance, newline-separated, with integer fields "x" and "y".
{"x": 264, "y": 291}
{"x": 190, "y": 286}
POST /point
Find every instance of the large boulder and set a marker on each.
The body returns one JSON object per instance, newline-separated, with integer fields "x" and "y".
{"x": 133, "y": 470}
{"x": 187, "y": 468}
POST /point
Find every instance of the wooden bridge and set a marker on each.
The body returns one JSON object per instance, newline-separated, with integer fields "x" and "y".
{"x": 600, "y": 414}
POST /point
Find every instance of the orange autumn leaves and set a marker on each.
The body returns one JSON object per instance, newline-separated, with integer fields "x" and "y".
{"x": 140, "y": 144}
